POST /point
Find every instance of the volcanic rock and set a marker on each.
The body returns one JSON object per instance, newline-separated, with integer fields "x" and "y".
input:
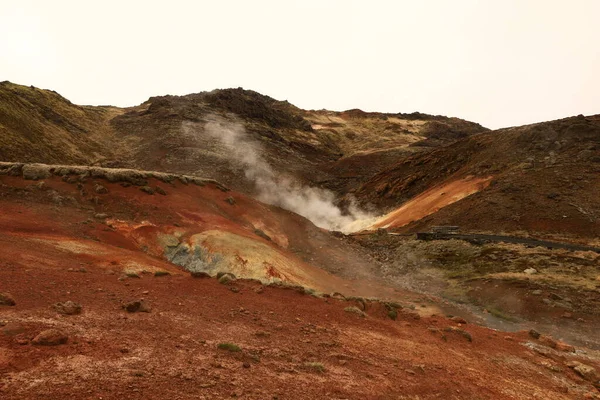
{"x": 50, "y": 337}
{"x": 7, "y": 300}
{"x": 137, "y": 306}
{"x": 68, "y": 308}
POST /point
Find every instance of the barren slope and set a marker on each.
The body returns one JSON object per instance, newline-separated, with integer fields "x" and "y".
{"x": 41, "y": 126}
{"x": 167, "y": 133}
{"x": 197, "y": 224}
{"x": 544, "y": 180}
{"x": 103, "y": 238}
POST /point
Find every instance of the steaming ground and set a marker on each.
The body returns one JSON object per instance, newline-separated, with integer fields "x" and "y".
{"x": 315, "y": 204}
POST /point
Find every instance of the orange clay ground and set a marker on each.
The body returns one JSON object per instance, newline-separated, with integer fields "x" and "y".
{"x": 292, "y": 344}
{"x": 431, "y": 201}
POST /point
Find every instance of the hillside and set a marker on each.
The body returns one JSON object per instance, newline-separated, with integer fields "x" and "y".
{"x": 42, "y": 126}
{"x": 225, "y": 244}
{"x": 168, "y": 133}
{"x": 120, "y": 245}
{"x": 541, "y": 179}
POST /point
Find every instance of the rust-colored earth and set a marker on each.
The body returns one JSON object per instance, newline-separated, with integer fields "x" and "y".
{"x": 431, "y": 201}
{"x": 294, "y": 343}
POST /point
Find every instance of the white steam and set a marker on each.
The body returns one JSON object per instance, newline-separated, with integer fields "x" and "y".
{"x": 313, "y": 203}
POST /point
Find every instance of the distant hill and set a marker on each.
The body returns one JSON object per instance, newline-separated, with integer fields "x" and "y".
{"x": 316, "y": 147}
{"x": 544, "y": 179}
{"x": 541, "y": 178}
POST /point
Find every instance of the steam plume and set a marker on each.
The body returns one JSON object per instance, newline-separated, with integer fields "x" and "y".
{"x": 313, "y": 203}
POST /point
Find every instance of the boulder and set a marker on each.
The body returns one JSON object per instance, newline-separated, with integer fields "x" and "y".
{"x": 68, "y": 308}
{"x": 199, "y": 274}
{"x": 100, "y": 189}
{"x": 137, "y": 306}
{"x": 50, "y": 337}
{"x": 6, "y": 299}
{"x": 562, "y": 346}
{"x": 530, "y": 271}
{"x": 583, "y": 370}
{"x": 226, "y": 278}
{"x": 459, "y": 320}
{"x": 147, "y": 189}
{"x": 534, "y": 334}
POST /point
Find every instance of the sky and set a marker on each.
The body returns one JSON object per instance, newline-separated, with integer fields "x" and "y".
{"x": 497, "y": 62}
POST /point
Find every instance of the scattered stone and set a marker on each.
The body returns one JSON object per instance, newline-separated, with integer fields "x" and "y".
{"x": 554, "y": 296}
{"x": 411, "y": 314}
{"x": 259, "y": 289}
{"x": 68, "y": 308}
{"x": 234, "y": 289}
{"x": 583, "y": 370}
{"x": 230, "y": 200}
{"x": 355, "y": 310}
{"x": 131, "y": 274}
{"x": 246, "y": 365}
{"x": 459, "y": 320}
{"x": 534, "y": 334}
{"x": 22, "y": 341}
{"x": 199, "y": 274}
{"x": 567, "y": 315}
{"x": 226, "y": 278}
{"x": 160, "y": 190}
{"x": 548, "y": 341}
{"x": 530, "y": 271}
{"x": 50, "y": 337}
{"x": 360, "y": 303}
{"x": 562, "y": 346}
{"x": 13, "y": 329}
{"x": 35, "y": 172}
{"x": 536, "y": 292}
{"x": 147, "y": 189}
{"x": 392, "y": 314}
{"x": 338, "y": 296}
{"x": 136, "y": 306}
{"x": 124, "y": 350}
{"x": 263, "y": 235}
{"x": 461, "y": 332}
{"x": 100, "y": 189}
{"x": 6, "y": 299}
{"x": 101, "y": 216}
{"x": 71, "y": 179}
{"x": 161, "y": 273}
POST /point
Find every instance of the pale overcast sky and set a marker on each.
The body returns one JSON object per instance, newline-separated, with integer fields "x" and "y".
{"x": 496, "y": 62}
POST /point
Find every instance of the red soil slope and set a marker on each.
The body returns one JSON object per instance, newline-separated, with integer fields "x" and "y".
{"x": 137, "y": 228}
{"x": 55, "y": 247}
{"x": 172, "y": 351}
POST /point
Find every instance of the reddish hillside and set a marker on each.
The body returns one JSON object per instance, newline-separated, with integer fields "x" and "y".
{"x": 102, "y": 238}
{"x": 197, "y": 224}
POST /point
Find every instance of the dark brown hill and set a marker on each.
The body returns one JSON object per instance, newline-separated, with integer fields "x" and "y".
{"x": 167, "y": 133}
{"x": 545, "y": 179}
